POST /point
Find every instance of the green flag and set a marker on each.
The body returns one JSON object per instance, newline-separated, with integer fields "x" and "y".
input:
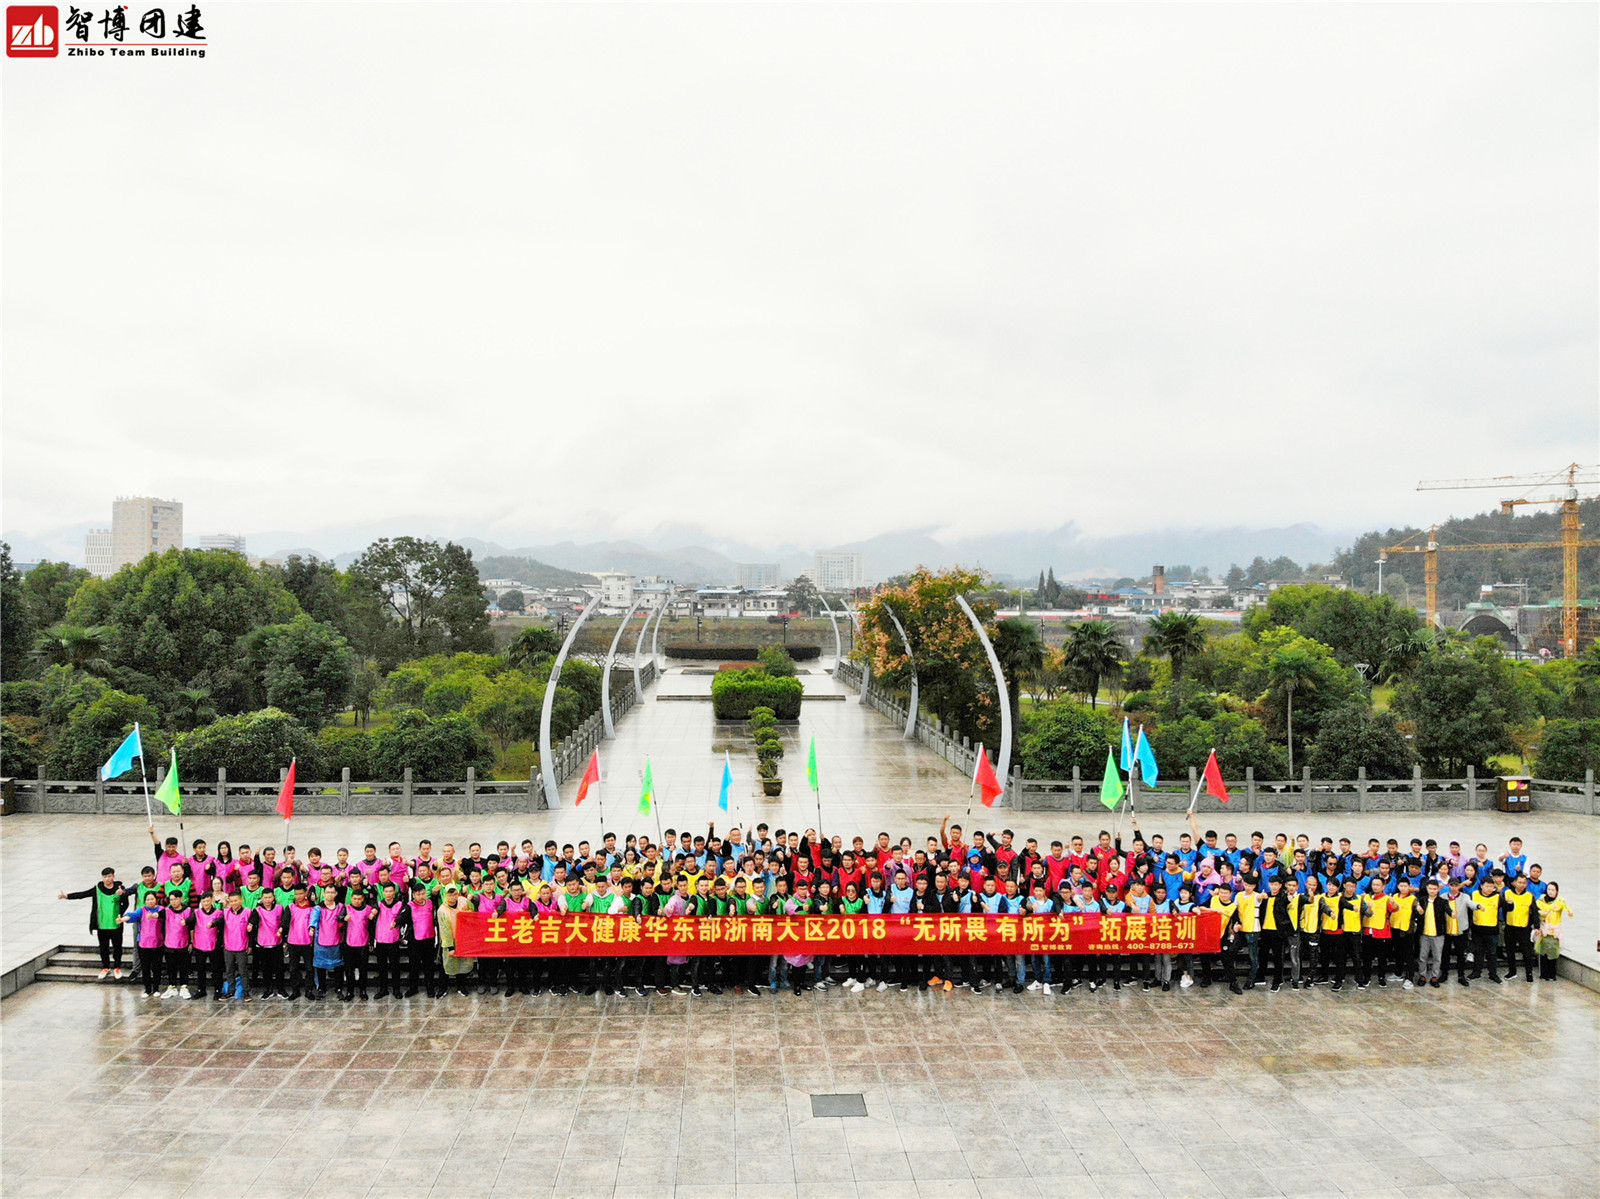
{"x": 1111, "y": 784}
{"x": 647, "y": 789}
{"x": 168, "y": 792}
{"x": 811, "y": 765}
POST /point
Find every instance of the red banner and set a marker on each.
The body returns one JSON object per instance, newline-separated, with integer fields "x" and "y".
{"x": 587, "y": 935}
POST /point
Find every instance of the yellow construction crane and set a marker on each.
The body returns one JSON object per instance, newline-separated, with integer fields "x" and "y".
{"x": 1569, "y": 478}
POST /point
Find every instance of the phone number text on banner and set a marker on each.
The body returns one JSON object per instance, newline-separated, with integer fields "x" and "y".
{"x": 480, "y": 935}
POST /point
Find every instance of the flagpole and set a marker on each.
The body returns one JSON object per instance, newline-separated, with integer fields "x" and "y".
{"x": 149, "y": 817}
{"x": 1199, "y": 782}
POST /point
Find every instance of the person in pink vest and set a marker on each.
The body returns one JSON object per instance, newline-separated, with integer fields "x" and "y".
{"x": 270, "y": 926}
{"x": 357, "y": 938}
{"x": 422, "y": 966}
{"x": 201, "y": 867}
{"x": 297, "y": 918}
{"x": 207, "y": 943}
{"x": 518, "y": 969}
{"x": 176, "y": 922}
{"x": 399, "y": 869}
{"x": 389, "y": 924}
{"x": 236, "y": 923}
{"x": 147, "y": 935}
{"x": 370, "y": 864}
{"x": 327, "y": 925}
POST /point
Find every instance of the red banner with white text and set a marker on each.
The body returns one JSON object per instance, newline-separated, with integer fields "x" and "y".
{"x": 585, "y": 935}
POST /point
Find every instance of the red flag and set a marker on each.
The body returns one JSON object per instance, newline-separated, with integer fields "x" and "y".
{"x": 590, "y": 777}
{"x": 286, "y": 794}
{"x": 983, "y": 778}
{"x": 1213, "y": 775}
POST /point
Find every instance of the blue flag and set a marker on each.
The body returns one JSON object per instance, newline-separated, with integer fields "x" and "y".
{"x": 122, "y": 761}
{"x": 727, "y": 781}
{"x": 1127, "y": 747}
{"x": 1146, "y": 757}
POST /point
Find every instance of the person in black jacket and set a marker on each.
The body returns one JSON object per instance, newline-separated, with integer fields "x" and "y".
{"x": 108, "y": 901}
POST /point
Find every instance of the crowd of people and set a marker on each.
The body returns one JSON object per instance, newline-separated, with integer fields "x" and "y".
{"x": 233, "y": 924}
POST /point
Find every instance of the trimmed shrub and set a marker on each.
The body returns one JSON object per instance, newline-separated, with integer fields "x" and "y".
{"x": 736, "y": 694}
{"x": 737, "y": 653}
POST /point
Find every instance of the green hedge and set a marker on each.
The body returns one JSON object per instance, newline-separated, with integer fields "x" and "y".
{"x": 738, "y": 653}
{"x": 735, "y": 692}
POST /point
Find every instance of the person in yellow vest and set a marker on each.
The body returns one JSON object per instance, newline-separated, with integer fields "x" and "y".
{"x": 1402, "y": 933}
{"x": 1552, "y": 909}
{"x": 1434, "y": 917}
{"x": 1306, "y": 912}
{"x": 1521, "y": 918}
{"x": 1222, "y": 901}
{"x": 1341, "y": 930}
{"x": 1247, "y": 904}
{"x": 1277, "y": 928}
{"x": 1376, "y": 907}
{"x": 1486, "y": 916}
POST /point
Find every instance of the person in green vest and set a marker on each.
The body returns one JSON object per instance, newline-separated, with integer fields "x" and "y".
{"x": 251, "y": 891}
{"x": 109, "y": 900}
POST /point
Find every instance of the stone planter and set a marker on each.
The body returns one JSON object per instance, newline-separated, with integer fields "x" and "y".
{"x": 772, "y": 786}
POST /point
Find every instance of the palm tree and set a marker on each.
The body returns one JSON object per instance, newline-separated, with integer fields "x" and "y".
{"x": 77, "y": 647}
{"x": 1292, "y": 669}
{"x": 192, "y": 708}
{"x": 1021, "y": 652}
{"x": 1177, "y": 636}
{"x": 1094, "y": 651}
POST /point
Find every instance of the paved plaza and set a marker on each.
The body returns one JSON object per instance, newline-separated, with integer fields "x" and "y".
{"x": 1380, "y": 1093}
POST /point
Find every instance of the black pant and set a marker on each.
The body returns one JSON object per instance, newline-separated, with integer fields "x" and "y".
{"x": 388, "y": 953}
{"x": 110, "y": 940}
{"x": 208, "y": 964}
{"x": 177, "y": 971}
{"x": 1484, "y": 947}
{"x": 302, "y": 975}
{"x": 1455, "y": 950}
{"x": 1547, "y": 967}
{"x": 1272, "y": 955}
{"x": 269, "y": 969}
{"x": 1519, "y": 942}
{"x": 423, "y": 960}
{"x": 1338, "y": 953}
{"x": 150, "y": 965}
{"x": 1403, "y": 955}
{"x": 354, "y": 971}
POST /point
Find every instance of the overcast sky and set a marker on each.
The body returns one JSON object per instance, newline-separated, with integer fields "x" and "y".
{"x": 803, "y": 273}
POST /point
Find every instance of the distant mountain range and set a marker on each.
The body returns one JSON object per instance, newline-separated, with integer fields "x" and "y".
{"x": 689, "y": 554}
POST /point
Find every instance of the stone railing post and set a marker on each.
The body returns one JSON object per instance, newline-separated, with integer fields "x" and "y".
{"x": 344, "y": 791}
{"x": 39, "y": 790}
{"x": 1361, "y": 789}
{"x": 1472, "y": 786}
{"x": 405, "y": 793}
{"x": 472, "y": 790}
{"x": 1016, "y": 782}
{"x": 1588, "y": 788}
{"x": 222, "y": 790}
{"x": 1416, "y": 785}
{"x": 1249, "y": 787}
{"x": 1077, "y": 788}
{"x": 99, "y": 794}
{"x": 1305, "y": 786}
{"x": 535, "y": 790}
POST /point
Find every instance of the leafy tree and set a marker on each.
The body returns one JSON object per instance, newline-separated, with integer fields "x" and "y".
{"x": 803, "y": 596}
{"x": 341, "y": 748}
{"x": 1094, "y": 652}
{"x": 508, "y": 708}
{"x": 512, "y": 600}
{"x": 1235, "y": 578}
{"x": 436, "y": 750}
{"x": 532, "y": 646}
{"x": 1241, "y": 743}
{"x": 21, "y": 748}
{"x": 74, "y": 646}
{"x": 1452, "y": 700}
{"x": 16, "y": 625}
{"x": 775, "y": 660}
{"x": 430, "y": 593}
{"x": 95, "y": 729}
{"x": 1057, "y": 736}
{"x": 1292, "y": 668}
{"x": 1176, "y": 636}
{"x": 175, "y": 621}
{"x": 191, "y": 708}
{"x": 1353, "y": 736}
{"x": 1358, "y": 628}
{"x": 1569, "y": 749}
{"x": 251, "y": 746}
{"x": 318, "y": 586}
{"x": 307, "y": 668}
{"x": 1021, "y": 652}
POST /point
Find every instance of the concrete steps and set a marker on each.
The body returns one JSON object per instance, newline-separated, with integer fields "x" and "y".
{"x": 81, "y": 964}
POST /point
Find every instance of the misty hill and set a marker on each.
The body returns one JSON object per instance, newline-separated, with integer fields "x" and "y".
{"x": 530, "y": 571}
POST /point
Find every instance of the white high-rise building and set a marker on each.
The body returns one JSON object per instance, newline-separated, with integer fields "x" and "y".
{"x": 616, "y": 588}
{"x": 223, "y": 541}
{"x": 143, "y": 525}
{"x": 97, "y": 553}
{"x": 839, "y": 570}
{"x": 758, "y": 576}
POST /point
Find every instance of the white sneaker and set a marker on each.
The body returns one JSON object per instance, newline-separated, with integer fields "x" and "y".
{"x": 116, "y": 973}
{"x": 1047, "y": 988}
{"x": 104, "y": 974}
{"x": 1409, "y": 985}
{"x": 883, "y": 986}
{"x": 1034, "y": 985}
{"x": 1187, "y": 981}
{"x": 169, "y": 992}
{"x": 857, "y": 988}
{"x": 822, "y": 984}
{"x": 850, "y": 982}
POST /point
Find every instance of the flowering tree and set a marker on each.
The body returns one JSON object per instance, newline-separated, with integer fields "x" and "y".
{"x": 953, "y": 674}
